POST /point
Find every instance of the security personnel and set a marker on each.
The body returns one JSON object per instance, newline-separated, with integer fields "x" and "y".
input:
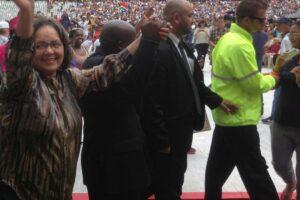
{"x": 235, "y": 77}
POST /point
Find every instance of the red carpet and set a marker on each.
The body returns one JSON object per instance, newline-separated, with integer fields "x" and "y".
{"x": 189, "y": 196}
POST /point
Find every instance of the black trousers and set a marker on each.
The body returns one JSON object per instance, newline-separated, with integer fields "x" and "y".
{"x": 95, "y": 193}
{"x": 167, "y": 175}
{"x": 7, "y": 193}
{"x": 240, "y": 147}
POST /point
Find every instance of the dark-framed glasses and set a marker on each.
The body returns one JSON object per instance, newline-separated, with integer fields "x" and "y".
{"x": 44, "y": 45}
{"x": 260, "y": 19}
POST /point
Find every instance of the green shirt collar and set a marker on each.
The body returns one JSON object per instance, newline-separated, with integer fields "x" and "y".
{"x": 234, "y": 28}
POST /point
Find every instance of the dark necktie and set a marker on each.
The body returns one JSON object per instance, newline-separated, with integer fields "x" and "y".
{"x": 191, "y": 78}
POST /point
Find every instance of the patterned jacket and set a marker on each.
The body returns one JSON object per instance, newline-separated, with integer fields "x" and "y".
{"x": 40, "y": 125}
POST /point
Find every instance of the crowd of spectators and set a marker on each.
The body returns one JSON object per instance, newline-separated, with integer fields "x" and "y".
{"x": 208, "y": 9}
{"x": 107, "y": 10}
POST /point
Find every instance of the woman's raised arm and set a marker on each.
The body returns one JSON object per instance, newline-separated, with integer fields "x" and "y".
{"x": 24, "y": 27}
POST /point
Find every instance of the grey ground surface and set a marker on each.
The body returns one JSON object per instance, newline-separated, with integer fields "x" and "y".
{"x": 194, "y": 177}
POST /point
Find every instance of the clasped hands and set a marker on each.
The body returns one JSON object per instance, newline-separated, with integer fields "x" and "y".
{"x": 155, "y": 29}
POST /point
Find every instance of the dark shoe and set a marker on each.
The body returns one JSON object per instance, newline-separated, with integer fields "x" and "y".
{"x": 192, "y": 151}
{"x": 267, "y": 120}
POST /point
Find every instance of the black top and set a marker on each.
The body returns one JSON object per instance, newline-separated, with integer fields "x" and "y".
{"x": 288, "y": 108}
{"x": 112, "y": 153}
{"x": 94, "y": 59}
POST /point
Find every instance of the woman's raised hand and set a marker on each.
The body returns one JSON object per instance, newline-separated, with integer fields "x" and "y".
{"x": 24, "y": 4}
{"x": 24, "y": 28}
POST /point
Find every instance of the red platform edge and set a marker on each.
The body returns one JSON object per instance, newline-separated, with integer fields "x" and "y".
{"x": 189, "y": 196}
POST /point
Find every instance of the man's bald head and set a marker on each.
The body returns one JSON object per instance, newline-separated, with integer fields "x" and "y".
{"x": 116, "y": 35}
{"x": 180, "y": 14}
{"x": 175, "y": 6}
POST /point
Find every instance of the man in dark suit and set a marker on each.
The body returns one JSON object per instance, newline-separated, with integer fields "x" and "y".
{"x": 113, "y": 160}
{"x": 174, "y": 105}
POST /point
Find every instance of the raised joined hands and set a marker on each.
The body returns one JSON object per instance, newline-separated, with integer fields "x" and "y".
{"x": 154, "y": 29}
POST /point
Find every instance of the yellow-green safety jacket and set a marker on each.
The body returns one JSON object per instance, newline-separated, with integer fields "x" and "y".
{"x": 235, "y": 77}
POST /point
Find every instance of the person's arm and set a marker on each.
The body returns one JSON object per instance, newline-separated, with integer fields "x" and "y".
{"x": 206, "y": 34}
{"x": 132, "y": 47}
{"x": 102, "y": 76}
{"x": 114, "y": 66}
{"x": 155, "y": 102}
{"x": 211, "y": 35}
{"x": 213, "y": 100}
{"x": 246, "y": 71}
{"x": 146, "y": 16}
{"x": 24, "y": 28}
{"x": 282, "y": 59}
{"x": 19, "y": 52}
{"x": 211, "y": 43}
{"x": 296, "y": 72}
{"x": 133, "y": 83}
{"x": 287, "y": 78}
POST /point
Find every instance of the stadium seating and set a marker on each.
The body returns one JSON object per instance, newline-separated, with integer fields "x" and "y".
{"x": 9, "y": 10}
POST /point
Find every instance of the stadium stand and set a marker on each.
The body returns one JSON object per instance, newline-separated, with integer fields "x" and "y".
{"x": 9, "y": 10}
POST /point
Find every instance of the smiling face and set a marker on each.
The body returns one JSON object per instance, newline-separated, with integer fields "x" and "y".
{"x": 77, "y": 38}
{"x": 49, "y": 51}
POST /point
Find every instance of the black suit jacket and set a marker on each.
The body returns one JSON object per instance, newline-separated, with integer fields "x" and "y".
{"x": 170, "y": 113}
{"x": 112, "y": 154}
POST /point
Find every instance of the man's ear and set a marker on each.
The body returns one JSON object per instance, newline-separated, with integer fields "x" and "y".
{"x": 176, "y": 18}
{"x": 246, "y": 21}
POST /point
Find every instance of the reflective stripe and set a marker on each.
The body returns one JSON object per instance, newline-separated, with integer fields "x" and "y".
{"x": 234, "y": 78}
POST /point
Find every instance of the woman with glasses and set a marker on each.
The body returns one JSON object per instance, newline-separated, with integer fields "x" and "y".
{"x": 285, "y": 134}
{"x": 40, "y": 127}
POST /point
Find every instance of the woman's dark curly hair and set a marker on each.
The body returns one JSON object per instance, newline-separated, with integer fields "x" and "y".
{"x": 41, "y": 22}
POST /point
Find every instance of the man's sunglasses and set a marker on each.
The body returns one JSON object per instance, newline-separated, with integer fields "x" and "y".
{"x": 260, "y": 19}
